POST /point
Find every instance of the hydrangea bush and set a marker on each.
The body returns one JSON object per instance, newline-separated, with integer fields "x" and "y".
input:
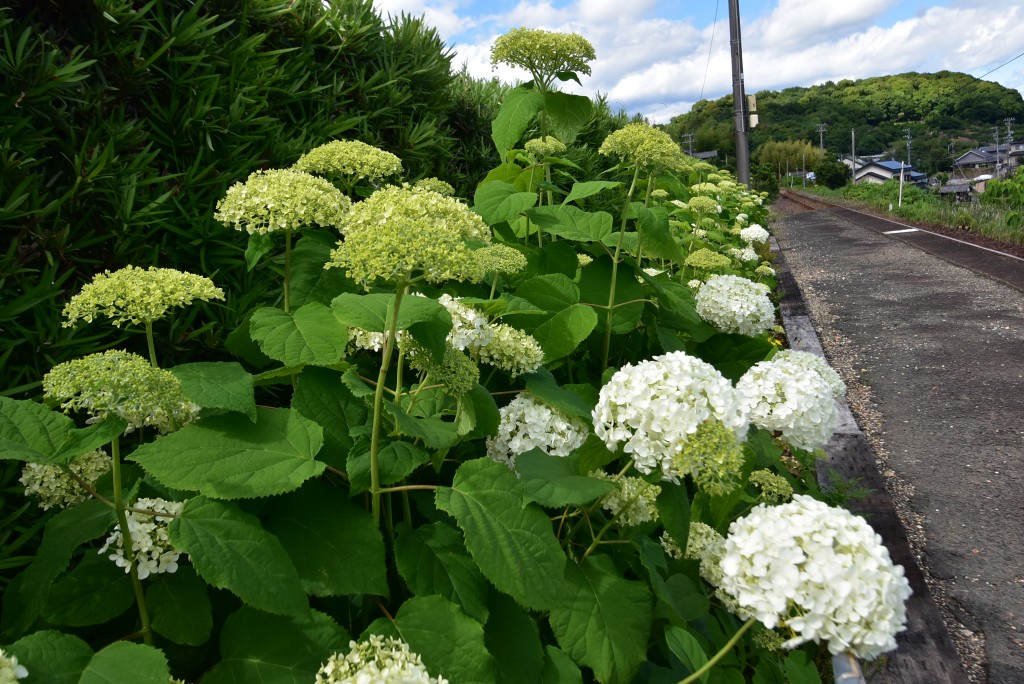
{"x": 331, "y": 500}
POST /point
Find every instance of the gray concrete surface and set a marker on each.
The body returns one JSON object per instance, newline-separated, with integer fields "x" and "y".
{"x": 941, "y": 351}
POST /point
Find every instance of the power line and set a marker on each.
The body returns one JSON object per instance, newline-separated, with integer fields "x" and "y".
{"x": 710, "y": 45}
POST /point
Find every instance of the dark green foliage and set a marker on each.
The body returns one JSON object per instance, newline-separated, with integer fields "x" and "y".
{"x": 123, "y": 123}
{"x": 832, "y": 174}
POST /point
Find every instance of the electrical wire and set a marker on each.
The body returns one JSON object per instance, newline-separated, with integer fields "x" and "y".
{"x": 711, "y": 45}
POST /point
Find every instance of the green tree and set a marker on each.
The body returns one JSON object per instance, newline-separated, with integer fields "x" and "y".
{"x": 832, "y": 174}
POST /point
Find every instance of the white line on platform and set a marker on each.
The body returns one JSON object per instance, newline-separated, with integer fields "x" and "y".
{"x": 905, "y": 230}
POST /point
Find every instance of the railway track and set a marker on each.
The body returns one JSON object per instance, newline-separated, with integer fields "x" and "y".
{"x": 992, "y": 262}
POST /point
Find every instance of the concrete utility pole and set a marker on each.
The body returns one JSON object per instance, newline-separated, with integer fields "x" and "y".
{"x": 853, "y": 149}
{"x": 907, "y": 131}
{"x": 822, "y": 127}
{"x": 687, "y": 139}
{"x": 738, "y": 97}
{"x": 996, "y": 131}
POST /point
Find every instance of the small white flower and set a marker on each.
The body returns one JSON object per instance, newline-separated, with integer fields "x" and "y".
{"x": 530, "y": 424}
{"x": 469, "y": 326}
{"x": 376, "y": 661}
{"x": 55, "y": 488}
{"x": 632, "y": 502}
{"x": 510, "y": 349}
{"x": 10, "y": 670}
{"x": 150, "y": 544}
{"x": 817, "y": 364}
{"x": 754, "y": 233}
{"x": 736, "y": 305}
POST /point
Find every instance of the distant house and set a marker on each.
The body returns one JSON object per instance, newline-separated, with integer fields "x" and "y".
{"x": 705, "y": 156}
{"x": 1016, "y": 154}
{"x": 956, "y": 192}
{"x": 991, "y": 158}
{"x": 882, "y": 171}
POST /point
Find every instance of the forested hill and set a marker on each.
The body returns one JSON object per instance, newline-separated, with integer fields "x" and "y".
{"x": 940, "y": 110}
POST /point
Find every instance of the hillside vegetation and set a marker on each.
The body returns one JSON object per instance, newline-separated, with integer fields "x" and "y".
{"x": 946, "y": 113}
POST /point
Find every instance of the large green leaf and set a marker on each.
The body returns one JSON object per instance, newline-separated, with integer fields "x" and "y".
{"x": 498, "y": 201}
{"x": 572, "y": 223}
{"x": 425, "y": 318}
{"x": 678, "y": 593}
{"x": 542, "y": 385}
{"x": 123, "y": 662}
{"x": 513, "y": 638}
{"x": 81, "y": 440}
{"x": 655, "y": 237}
{"x": 320, "y": 395}
{"x": 179, "y": 607}
{"x": 433, "y": 560}
{"x": 94, "y": 592}
{"x": 433, "y": 431}
{"x": 229, "y": 457}
{"x": 685, "y": 646}
{"x": 65, "y": 532}
{"x": 513, "y": 544}
{"x": 51, "y": 657}
{"x": 309, "y": 334}
{"x": 230, "y": 550}
{"x": 450, "y": 642}
{"x": 679, "y": 311}
{"x": 396, "y": 460}
{"x": 733, "y": 354}
{"x": 673, "y": 505}
{"x": 553, "y": 292}
{"x": 335, "y": 545}
{"x": 595, "y": 288}
{"x": 584, "y": 189}
{"x": 567, "y": 114}
{"x": 606, "y": 621}
{"x": 30, "y": 431}
{"x": 218, "y": 385}
{"x": 559, "y": 668}
{"x": 517, "y": 111}
{"x": 562, "y": 333}
{"x": 270, "y": 649}
{"x": 554, "y": 481}
{"x": 310, "y": 281}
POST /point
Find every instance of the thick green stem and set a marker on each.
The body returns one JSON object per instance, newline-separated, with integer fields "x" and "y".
{"x": 287, "y": 268}
{"x": 126, "y": 542}
{"x": 378, "y": 404}
{"x": 721, "y": 654}
{"x": 149, "y": 343}
{"x": 615, "y": 270}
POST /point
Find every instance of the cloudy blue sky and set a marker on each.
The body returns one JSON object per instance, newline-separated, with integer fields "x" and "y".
{"x": 657, "y": 58}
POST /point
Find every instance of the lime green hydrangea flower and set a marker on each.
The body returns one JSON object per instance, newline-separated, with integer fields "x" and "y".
{"x": 349, "y": 159}
{"x": 545, "y": 146}
{"x": 543, "y": 53}
{"x": 643, "y": 145}
{"x": 281, "y": 200}
{"x": 774, "y": 488}
{"x": 53, "y": 487}
{"x": 123, "y": 384}
{"x": 456, "y": 371}
{"x": 703, "y": 205}
{"x": 500, "y": 259}
{"x": 632, "y": 502}
{"x": 704, "y": 189}
{"x": 435, "y": 185}
{"x": 705, "y": 259}
{"x": 400, "y": 231}
{"x": 712, "y": 456}
{"x": 138, "y": 295}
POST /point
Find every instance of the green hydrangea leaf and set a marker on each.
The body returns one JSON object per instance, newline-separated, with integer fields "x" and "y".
{"x": 90, "y": 438}
{"x": 595, "y": 286}
{"x": 450, "y": 642}
{"x": 52, "y": 657}
{"x": 572, "y": 223}
{"x": 31, "y": 432}
{"x": 585, "y": 189}
{"x": 559, "y": 668}
{"x": 605, "y": 622}
{"x": 513, "y": 638}
{"x": 673, "y": 505}
{"x": 258, "y": 245}
{"x": 95, "y": 591}
{"x": 678, "y": 310}
{"x": 179, "y": 607}
{"x": 335, "y": 545}
{"x": 733, "y": 354}
{"x": 321, "y": 395}
{"x": 395, "y": 462}
{"x": 231, "y": 550}
{"x": 655, "y": 236}
{"x": 257, "y": 647}
{"x": 218, "y": 385}
{"x": 553, "y": 292}
{"x": 555, "y": 257}
{"x": 518, "y": 110}
{"x": 64, "y": 533}
{"x": 426, "y": 319}
{"x": 678, "y": 593}
{"x": 553, "y": 481}
{"x": 124, "y": 662}
{"x": 565, "y": 331}
{"x": 435, "y": 432}
{"x": 310, "y": 281}
{"x": 567, "y": 114}
{"x": 801, "y": 669}
{"x": 229, "y": 457}
{"x": 687, "y": 648}
{"x": 513, "y": 544}
{"x": 433, "y": 560}
{"x": 542, "y": 385}
{"x": 309, "y": 334}
{"x": 498, "y": 201}
{"x": 480, "y": 404}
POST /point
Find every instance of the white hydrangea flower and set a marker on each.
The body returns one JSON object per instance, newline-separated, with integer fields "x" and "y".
{"x": 793, "y": 399}
{"x": 55, "y": 488}
{"x": 527, "y": 423}
{"x": 509, "y": 349}
{"x": 736, "y": 305}
{"x": 815, "y": 363}
{"x": 700, "y": 233}
{"x": 656, "y": 406}
{"x": 765, "y": 270}
{"x": 632, "y": 502}
{"x": 695, "y": 284}
{"x": 150, "y": 543}
{"x": 376, "y": 661}
{"x": 745, "y": 254}
{"x": 754, "y": 233}
{"x": 469, "y": 326}
{"x": 819, "y": 571}
{"x": 10, "y": 670}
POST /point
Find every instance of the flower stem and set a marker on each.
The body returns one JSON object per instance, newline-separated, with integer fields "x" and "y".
{"x": 149, "y": 343}
{"x": 287, "y": 268}
{"x": 615, "y": 271}
{"x": 378, "y": 404}
{"x": 127, "y": 543}
{"x": 721, "y": 654}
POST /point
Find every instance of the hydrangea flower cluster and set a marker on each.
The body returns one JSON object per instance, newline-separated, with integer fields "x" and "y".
{"x": 10, "y": 670}
{"x": 469, "y": 326}
{"x": 543, "y": 53}
{"x": 545, "y": 146}
{"x": 456, "y": 371}
{"x": 642, "y": 145}
{"x": 377, "y": 659}
{"x": 632, "y": 502}
{"x": 527, "y": 423}
{"x": 138, "y": 295}
{"x": 712, "y": 456}
{"x": 774, "y": 488}
{"x": 54, "y": 488}
{"x": 500, "y": 259}
{"x": 656, "y": 408}
{"x": 151, "y": 546}
{"x": 510, "y": 349}
{"x": 123, "y": 384}
{"x": 703, "y": 205}
{"x": 821, "y": 572}
{"x": 755, "y": 234}
{"x": 704, "y": 189}
{"x": 705, "y": 259}
{"x": 736, "y": 305}
{"x": 816, "y": 363}
{"x": 744, "y": 254}
{"x": 435, "y": 185}
{"x": 281, "y": 199}
{"x": 765, "y": 271}
{"x": 399, "y": 231}
{"x": 349, "y": 158}
{"x": 792, "y": 399}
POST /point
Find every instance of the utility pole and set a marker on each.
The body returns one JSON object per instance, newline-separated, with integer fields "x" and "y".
{"x": 687, "y": 138}
{"x": 738, "y": 97}
{"x": 822, "y": 127}
{"x": 853, "y": 150}
{"x": 907, "y": 131}
{"x": 996, "y": 131}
